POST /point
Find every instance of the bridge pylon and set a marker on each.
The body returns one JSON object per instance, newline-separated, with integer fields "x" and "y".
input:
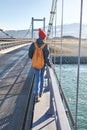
{"x": 33, "y": 29}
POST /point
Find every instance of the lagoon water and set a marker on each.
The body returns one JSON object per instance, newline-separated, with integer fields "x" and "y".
{"x": 69, "y": 85}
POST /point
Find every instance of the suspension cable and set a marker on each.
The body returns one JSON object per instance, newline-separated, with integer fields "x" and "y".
{"x": 61, "y": 39}
{"x": 28, "y": 31}
{"x": 55, "y": 35}
{"x": 79, "y": 48}
{"x": 52, "y": 13}
{"x": 6, "y": 33}
{"x": 55, "y": 20}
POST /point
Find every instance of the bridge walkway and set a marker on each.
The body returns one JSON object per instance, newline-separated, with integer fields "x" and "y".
{"x": 44, "y": 118}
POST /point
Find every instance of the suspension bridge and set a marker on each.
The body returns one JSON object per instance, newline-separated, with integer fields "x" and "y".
{"x": 18, "y": 110}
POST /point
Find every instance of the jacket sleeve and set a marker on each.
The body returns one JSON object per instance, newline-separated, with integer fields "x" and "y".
{"x": 31, "y": 51}
{"x": 47, "y": 55}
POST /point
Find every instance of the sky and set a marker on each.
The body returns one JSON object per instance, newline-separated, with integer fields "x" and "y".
{"x": 17, "y": 14}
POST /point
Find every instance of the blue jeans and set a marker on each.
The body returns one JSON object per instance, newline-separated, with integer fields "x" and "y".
{"x": 39, "y": 79}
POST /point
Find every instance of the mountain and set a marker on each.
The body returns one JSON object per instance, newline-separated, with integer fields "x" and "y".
{"x": 68, "y": 30}
{"x": 71, "y": 30}
{"x": 14, "y": 33}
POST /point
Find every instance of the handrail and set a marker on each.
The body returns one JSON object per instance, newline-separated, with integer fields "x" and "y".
{"x": 66, "y": 103}
{"x": 5, "y": 45}
{"x": 61, "y": 117}
{"x": 69, "y": 111}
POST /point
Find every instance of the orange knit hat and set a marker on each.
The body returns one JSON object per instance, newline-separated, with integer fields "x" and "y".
{"x": 42, "y": 34}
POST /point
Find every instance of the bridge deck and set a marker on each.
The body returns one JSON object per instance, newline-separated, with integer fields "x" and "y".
{"x": 15, "y": 90}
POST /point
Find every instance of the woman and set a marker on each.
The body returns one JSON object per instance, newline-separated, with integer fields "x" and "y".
{"x": 39, "y": 73}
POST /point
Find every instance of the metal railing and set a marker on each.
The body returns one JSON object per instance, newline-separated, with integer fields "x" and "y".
{"x": 60, "y": 104}
{"x": 5, "y": 45}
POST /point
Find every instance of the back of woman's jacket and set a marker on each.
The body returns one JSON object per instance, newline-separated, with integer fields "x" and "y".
{"x": 46, "y": 53}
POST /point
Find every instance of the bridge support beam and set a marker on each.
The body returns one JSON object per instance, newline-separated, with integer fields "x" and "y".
{"x": 33, "y": 20}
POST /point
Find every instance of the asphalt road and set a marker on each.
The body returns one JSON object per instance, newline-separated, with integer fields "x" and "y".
{"x": 14, "y": 88}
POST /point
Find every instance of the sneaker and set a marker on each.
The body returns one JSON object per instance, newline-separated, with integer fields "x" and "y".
{"x": 40, "y": 94}
{"x": 36, "y": 99}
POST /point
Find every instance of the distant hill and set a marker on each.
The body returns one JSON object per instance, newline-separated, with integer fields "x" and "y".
{"x": 70, "y": 37}
{"x": 69, "y": 30}
{"x": 15, "y": 33}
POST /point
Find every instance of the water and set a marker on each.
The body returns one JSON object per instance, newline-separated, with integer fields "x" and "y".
{"x": 69, "y": 85}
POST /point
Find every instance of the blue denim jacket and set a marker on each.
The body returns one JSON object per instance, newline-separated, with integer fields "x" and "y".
{"x": 46, "y": 53}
